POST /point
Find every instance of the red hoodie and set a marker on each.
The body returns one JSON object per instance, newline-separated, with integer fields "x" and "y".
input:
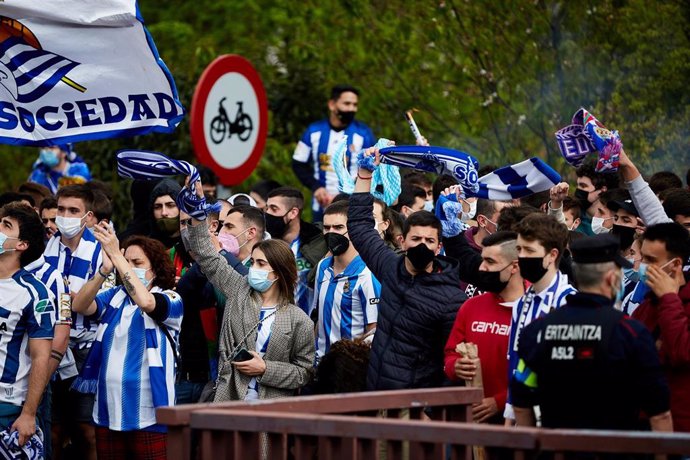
{"x": 482, "y": 320}
{"x": 668, "y": 320}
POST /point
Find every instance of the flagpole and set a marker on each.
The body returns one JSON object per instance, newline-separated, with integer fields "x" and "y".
{"x": 73, "y": 84}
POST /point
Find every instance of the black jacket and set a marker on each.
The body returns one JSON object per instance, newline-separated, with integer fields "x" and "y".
{"x": 416, "y": 313}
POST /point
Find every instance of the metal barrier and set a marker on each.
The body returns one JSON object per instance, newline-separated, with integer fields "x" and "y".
{"x": 314, "y": 427}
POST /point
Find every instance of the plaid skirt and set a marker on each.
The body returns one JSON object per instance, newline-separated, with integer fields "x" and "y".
{"x": 130, "y": 445}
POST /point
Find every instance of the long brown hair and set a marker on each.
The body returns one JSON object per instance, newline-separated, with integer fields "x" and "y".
{"x": 161, "y": 265}
{"x": 282, "y": 260}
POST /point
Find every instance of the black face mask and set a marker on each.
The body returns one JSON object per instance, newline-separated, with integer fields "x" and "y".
{"x": 532, "y": 268}
{"x": 583, "y": 198}
{"x": 491, "y": 281}
{"x": 337, "y": 243}
{"x": 168, "y": 225}
{"x": 276, "y": 225}
{"x": 345, "y": 117}
{"x": 420, "y": 256}
{"x": 626, "y": 235}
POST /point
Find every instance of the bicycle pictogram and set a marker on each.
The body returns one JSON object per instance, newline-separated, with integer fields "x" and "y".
{"x": 220, "y": 125}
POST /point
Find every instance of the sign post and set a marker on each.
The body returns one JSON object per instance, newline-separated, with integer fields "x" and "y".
{"x": 229, "y": 118}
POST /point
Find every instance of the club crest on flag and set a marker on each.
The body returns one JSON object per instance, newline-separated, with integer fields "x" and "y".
{"x": 27, "y": 71}
{"x": 74, "y": 71}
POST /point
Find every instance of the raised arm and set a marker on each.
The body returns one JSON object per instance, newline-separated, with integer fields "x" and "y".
{"x": 84, "y": 302}
{"x": 139, "y": 293}
{"x": 215, "y": 267}
{"x": 556, "y": 196}
{"x": 360, "y": 225}
{"x": 646, "y": 202}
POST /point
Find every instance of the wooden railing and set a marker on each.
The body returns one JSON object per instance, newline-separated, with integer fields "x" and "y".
{"x": 352, "y": 426}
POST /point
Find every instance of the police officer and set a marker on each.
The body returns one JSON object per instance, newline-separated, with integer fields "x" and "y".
{"x": 586, "y": 365}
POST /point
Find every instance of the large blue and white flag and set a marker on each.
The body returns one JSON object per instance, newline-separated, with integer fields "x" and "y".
{"x": 517, "y": 181}
{"x": 75, "y": 70}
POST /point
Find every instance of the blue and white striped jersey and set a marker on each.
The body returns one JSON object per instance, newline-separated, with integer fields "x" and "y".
{"x": 318, "y": 145}
{"x": 346, "y": 302}
{"x": 263, "y": 336}
{"x": 26, "y": 312}
{"x": 55, "y": 283}
{"x": 77, "y": 268}
{"x": 137, "y": 372}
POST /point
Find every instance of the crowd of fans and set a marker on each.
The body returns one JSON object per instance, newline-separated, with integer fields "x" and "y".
{"x": 103, "y": 321}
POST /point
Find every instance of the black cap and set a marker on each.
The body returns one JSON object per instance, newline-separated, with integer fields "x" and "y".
{"x": 598, "y": 249}
{"x": 625, "y": 205}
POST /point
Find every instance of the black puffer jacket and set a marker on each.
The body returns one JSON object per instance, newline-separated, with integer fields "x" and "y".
{"x": 416, "y": 313}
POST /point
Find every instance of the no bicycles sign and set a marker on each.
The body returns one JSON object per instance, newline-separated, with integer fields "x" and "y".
{"x": 229, "y": 118}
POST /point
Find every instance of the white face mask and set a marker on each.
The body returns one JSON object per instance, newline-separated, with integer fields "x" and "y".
{"x": 429, "y": 206}
{"x": 467, "y": 216}
{"x": 598, "y": 225}
{"x": 69, "y": 226}
{"x": 141, "y": 274}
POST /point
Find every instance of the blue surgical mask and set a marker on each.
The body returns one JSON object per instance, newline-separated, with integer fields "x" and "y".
{"x": 631, "y": 274}
{"x": 642, "y": 271}
{"x": 258, "y": 279}
{"x": 49, "y": 157}
{"x": 429, "y": 206}
{"x": 4, "y": 238}
{"x": 141, "y": 274}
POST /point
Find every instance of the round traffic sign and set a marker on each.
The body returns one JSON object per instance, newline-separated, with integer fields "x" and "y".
{"x": 229, "y": 118}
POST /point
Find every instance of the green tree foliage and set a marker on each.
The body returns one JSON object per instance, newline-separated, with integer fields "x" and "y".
{"x": 495, "y": 79}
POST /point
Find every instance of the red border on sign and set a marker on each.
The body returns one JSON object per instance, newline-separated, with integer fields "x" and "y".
{"x": 220, "y": 66}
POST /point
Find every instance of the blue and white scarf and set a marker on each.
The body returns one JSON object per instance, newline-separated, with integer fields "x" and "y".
{"x": 438, "y": 160}
{"x": 447, "y": 210}
{"x": 31, "y": 450}
{"x": 585, "y": 135}
{"x": 139, "y": 164}
{"x": 385, "y": 175}
{"x": 506, "y": 183}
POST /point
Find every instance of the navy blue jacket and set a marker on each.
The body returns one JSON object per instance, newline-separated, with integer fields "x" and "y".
{"x": 416, "y": 313}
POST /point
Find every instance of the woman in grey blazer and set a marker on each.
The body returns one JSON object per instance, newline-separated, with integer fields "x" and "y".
{"x": 261, "y": 316}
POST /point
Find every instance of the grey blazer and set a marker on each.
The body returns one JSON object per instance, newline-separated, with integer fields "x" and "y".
{"x": 290, "y": 354}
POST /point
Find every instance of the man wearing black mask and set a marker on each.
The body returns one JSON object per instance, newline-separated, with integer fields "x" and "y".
{"x": 540, "y": 244}
{"x": 591, "y": 184}
{"x": 346, "y": 294}
{"x": 283, "y": 211}
{"x": 420, "y": 294}
{"x": 484, "y": 320}
{"x": 312, "y": 158}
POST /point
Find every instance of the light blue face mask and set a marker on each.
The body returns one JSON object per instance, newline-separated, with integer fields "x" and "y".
{"x": 631, "y": 274}
{"x": 4, "y": 238}
{"x": 429, "y": 206}
{"x": 619, "y": 295}
{"x": 141, "y": 274}
{"x": 642, "y": 271}
{"x": 258, "y": 279}
{"x": 49, "y": 158}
